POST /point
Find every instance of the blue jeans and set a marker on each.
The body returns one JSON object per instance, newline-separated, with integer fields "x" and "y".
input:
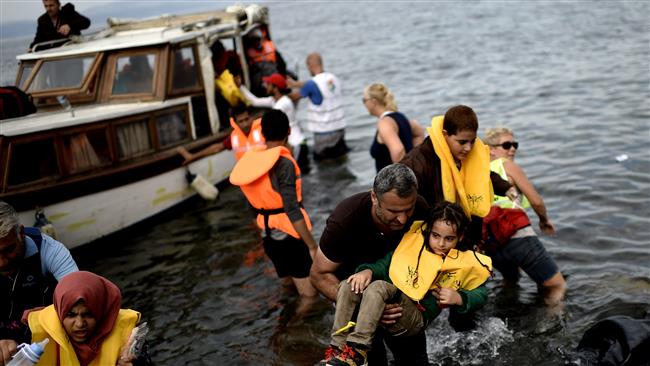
{"x": 527, "y": 253}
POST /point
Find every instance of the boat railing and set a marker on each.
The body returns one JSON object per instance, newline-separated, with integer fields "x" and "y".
{"x": 173, "y": 21}
{"x": 53, "y": 43}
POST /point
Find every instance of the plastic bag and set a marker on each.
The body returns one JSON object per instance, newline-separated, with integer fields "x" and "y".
{"x": 137, "y": 339}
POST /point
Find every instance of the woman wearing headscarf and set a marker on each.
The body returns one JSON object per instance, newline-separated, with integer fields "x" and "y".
{"x": 85, "y": 324}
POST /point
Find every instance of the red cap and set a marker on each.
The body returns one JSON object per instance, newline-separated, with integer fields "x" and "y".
{"x": 277, "y": 80}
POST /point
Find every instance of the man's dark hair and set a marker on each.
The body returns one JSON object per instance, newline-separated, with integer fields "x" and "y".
{"x": 8, "y": 219}
{"x": 459, "y": 118}
{"x": 275, "y": 125}
{"x": 398, "y": 177}
{"x": 237, "y": 110}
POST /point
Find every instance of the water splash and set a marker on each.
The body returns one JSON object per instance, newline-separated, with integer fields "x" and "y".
{"x": 476, "y": 347}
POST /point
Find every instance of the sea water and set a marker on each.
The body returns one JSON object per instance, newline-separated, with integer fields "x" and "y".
{"x": 570, "y": 78}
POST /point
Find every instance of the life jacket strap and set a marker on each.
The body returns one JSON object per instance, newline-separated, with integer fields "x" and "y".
{"x": 266, "y": 213}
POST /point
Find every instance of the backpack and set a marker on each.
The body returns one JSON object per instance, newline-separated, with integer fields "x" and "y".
{"x": 15, "y": 103}
{"x": 501, "y": 224}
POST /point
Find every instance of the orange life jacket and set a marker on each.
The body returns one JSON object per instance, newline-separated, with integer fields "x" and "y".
{"x": 251, "y": 174}
{"x": 267, "y": 53}
{"x": 241, "y": 142}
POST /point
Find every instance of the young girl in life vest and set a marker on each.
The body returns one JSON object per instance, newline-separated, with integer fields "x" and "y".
{"x": 427, "y": 272}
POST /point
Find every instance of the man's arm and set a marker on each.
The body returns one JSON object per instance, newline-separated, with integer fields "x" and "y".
{"x": 280, "y": 64}
{"x": 7, "y": 349}
{"x": 74, "y": 20}
{"x": 322, "y": 275}
{"x": 286, "y": 180}
{"x": 210, "y": 150}
{"x": 380, "y": 268}
{"x": 40, "y": 34}
{"x": 305, "y": 235}
{"x": 56, "y": 258}
{"x": 256, "y": 101}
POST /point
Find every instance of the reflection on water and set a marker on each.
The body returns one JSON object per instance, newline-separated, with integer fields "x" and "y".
{"x": 571, "y": 79}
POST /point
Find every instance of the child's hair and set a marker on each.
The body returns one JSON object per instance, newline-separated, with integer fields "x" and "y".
{"x": 459, "y": 118}
{"x": 453, "y": 215}
{"x": 275, "y": 125}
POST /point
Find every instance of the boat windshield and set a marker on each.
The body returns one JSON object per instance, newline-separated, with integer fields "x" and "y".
{"x": 26, "y": 70}
{"x": 61, "y": 74}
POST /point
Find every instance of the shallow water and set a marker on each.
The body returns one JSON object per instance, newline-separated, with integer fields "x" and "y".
{"x": 570, "y": 78}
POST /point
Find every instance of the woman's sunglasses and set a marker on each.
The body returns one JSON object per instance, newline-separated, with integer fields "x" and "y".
{"x": 508, "y": 144}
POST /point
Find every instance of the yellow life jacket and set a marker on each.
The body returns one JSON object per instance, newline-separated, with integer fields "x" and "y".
{"x": 251, "y": 174}
{"x": 241, "y": 142}
{"x": 496, "y": 166}
{"x": 471, "y": 185}
{"x": 45, "y": 323}
{"x": 458, "y": 270}
{"x": 225, "y": 83}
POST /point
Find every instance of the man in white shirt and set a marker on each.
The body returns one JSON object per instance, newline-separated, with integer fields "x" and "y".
{"x": 325, "y": 116}
{"x": 276, "y": 88}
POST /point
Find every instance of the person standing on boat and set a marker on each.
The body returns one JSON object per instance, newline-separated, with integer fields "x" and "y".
{"x": 263, "y": 58}
{"x": 524, "y": 249}
{"x": 396, "y": 134}
{"x": 246, "y": 133}
{"x": 364, "y": 228}
{"x": 276, "y": 88}
{"x": 325, "y": 115}
{"x": 58, "y": 23}
{"x": 270, "y": 180}
{"x": 31, "y": 263}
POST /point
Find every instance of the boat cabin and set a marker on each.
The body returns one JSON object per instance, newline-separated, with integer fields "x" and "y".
{"x": 112, "y": 107}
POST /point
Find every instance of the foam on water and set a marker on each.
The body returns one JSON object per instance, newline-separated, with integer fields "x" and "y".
{"x": 476, "y": 347}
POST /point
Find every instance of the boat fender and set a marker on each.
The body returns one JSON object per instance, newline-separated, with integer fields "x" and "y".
{"x": 257, "y": 14}
{"x": 202, "y": 186}
{"x": 239, "y": 10}
{"x": 43, "y": 224}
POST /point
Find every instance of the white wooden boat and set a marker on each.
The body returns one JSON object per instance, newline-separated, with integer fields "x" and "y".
{"x": 100, "y": 153}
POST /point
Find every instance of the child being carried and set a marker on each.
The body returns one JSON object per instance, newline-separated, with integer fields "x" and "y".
{"x": 430, "y": 276}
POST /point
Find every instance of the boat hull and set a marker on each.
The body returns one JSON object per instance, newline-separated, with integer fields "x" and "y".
{"x": 87, "y": 218}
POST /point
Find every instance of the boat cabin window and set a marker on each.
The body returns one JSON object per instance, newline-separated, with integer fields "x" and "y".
{"x": 32, "y": 161}
{"x": 185, "y": 72}
{"x": 133, "y": 139}
{"x": 86, "y": 150}
{"x": 61, "y": 74}
{"x": 172, "y": 127}
{"x": 134, "y": 74}
{"x": 25, "y": 70}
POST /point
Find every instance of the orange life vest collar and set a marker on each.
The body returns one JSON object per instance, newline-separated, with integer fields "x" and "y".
{"x": 266, "y": 54}
{"x": 242, "y": 142}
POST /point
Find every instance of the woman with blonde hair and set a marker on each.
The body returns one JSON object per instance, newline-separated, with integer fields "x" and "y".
{"x": 503, "y": 149}
{"x": 396, "y": 135}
